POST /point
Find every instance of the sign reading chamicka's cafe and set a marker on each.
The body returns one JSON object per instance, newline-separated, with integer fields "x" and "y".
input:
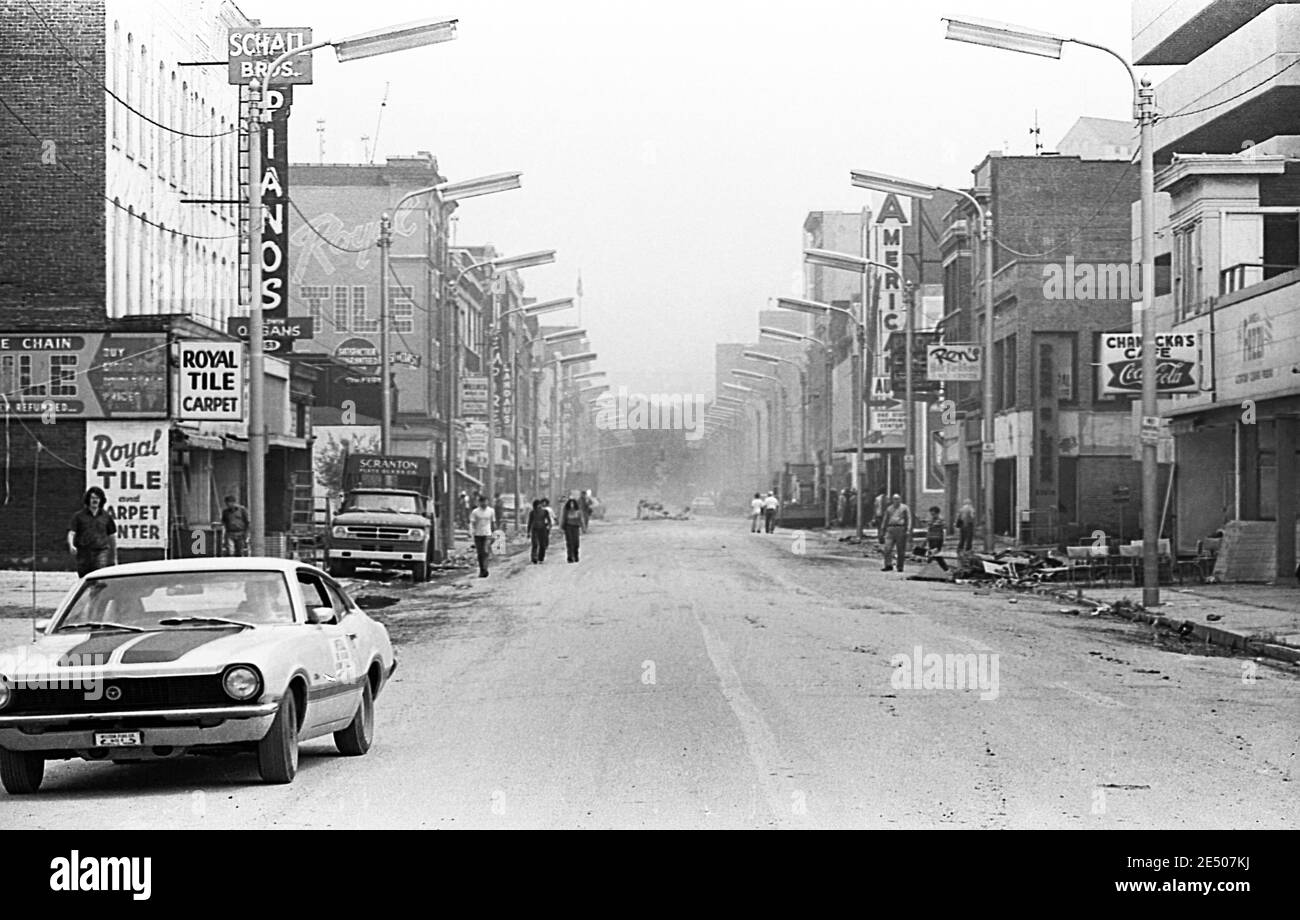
{"x": 1177, "y": 363}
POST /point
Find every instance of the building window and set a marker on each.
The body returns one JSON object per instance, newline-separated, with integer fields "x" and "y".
{"x": 401, "y": 309}
{"x": 127, "y": 118}
{"x": 171, "y": 142}
{"x": 360, "y": 322}
{"x": 315, "y": 295}
{"x": 142, "y": 94}
{"x": 1004, "y": 367}
{"x": 115, "y": 83}
{"x": 342, "y": 321}
{"x": 1187, "y": 270}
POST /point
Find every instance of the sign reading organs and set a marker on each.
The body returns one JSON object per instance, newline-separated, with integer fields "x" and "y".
{"x": 128, "y": 460}
{"x": 212, "y": 381}
{"x": 1177, "y": 362}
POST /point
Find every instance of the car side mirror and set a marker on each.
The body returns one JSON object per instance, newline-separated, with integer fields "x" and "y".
{"x": 320, "y": 616}
{"x": 42, "y": 624}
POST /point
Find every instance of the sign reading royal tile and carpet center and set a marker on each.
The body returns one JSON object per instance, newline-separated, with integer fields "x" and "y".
{"x": 210, "y": 382}
{"x": 129, "y": 461}
{"x": 1177, "y": 363}
{"x": 251, "y": 52}
{"x": 84, "y": 375}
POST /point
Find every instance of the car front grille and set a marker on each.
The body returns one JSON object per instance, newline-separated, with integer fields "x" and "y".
{"x": 372, "y": 532}
{"x": 122, "y": 694}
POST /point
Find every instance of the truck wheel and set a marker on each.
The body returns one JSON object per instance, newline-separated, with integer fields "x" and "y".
{"x": 420, "y": 572}
{"x": 340, "y": 569}
{"x": 21, "y": 771}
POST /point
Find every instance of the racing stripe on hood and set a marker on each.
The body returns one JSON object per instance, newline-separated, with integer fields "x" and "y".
{"x": 172, "y": 644}
{"x": 96, "y": 648}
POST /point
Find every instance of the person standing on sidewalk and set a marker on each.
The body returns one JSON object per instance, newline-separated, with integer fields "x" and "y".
{"x": 481, "y": 524}
{"x": 965, "y": 527}
{"x": 539, "y": 529}
{"x": 898, "y": 532}
{"x": 235, "y": 522}
{"x": 92, "y": 535}
{"x": 755, "y": 513}
{"x": 571, "y": 520}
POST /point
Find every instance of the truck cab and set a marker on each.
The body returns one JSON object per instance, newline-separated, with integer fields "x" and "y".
{"x": 386, "y": 518}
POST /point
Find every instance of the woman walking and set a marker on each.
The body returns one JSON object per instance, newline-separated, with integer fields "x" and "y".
{"x": 571, "y": 519}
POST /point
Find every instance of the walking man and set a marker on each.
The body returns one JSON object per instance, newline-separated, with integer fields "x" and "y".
{"x": 898, "y": 532}
{"x": 965, "y": 527}
{"x": 935, "y": 529}
{"x": 235, "y": 522}
{"x": 770, "y": 506}
{"x": 755, "y": 513}
{"x": 481, "y": 521}
{"x": 539, "y": 529}
{"x": 92, "y": 535}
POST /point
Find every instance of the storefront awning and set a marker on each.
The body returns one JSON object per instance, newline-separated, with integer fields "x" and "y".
{"x": 192, "y": 440}
{"x": 287, "y": 441}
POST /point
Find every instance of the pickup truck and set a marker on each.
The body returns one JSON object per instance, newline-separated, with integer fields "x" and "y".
{"x": 386, "y": 518}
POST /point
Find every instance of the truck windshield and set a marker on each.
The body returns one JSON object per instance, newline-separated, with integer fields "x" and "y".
{"x": 381, "y": 501}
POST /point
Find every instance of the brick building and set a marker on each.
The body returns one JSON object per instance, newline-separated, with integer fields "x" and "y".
{"x": 1062, "y": 278}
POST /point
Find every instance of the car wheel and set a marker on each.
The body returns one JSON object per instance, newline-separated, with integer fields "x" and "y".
{"x": 277, "y": 753}
{"x": 355, "y": 740}
{"x": 420, "y": 572}
{"x": 21, "y": 771}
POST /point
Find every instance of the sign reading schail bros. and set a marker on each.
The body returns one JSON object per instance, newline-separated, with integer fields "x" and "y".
{"x": 251, "y": 52}
{"x": 128, "y": 460}
{"x": 1177, "y": 360}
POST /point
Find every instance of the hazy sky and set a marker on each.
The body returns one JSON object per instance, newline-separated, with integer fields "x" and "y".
{"x": 671, "y": 150}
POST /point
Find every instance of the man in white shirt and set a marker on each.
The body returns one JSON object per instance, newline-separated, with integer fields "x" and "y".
{"x": 481, "y": 522}
{"x": 755, "y": 513}
{"x": 771, "y": 505}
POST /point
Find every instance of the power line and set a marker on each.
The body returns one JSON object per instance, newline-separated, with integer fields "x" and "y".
{"x": 327, "y": 240}
{"x": 74, "y": 58}
{"x": 59, "y": 160}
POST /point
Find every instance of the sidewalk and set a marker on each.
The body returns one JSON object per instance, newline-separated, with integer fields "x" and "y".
{"x": 1260, "y": 619}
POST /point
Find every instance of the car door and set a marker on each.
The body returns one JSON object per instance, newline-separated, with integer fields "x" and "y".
{"x": 335, "y": 690}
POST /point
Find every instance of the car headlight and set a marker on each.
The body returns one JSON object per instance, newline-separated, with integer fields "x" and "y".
{"x": 6, "y": 692}
{"x": 241, "y": 682}
{"x": 339, "y": 533}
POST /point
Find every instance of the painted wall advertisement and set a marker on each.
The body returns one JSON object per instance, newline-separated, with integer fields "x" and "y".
{"x": 128, "y": 460}
{"x": 92, "y": 375}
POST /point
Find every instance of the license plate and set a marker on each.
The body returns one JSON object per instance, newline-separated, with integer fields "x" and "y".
{"x": 117, "y": 739}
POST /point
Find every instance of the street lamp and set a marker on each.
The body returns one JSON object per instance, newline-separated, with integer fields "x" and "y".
{"x": 367, "y": 44}
{"x": 527, "y": 310}
{"x": 803, "y": 393}
{"x": 844, "y": 261}
{"x": 784, "y": 335}
{"x": 1031, "y": 41}
{"x": 589, "y": 375}
{"x": 558, "y": 362}
{"x": 491, "y": 353}
{"x": 861, "y": 332}
{"x": 879, "y": 182}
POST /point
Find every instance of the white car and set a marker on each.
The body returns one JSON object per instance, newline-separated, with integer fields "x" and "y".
{"x": 154, "y": 660}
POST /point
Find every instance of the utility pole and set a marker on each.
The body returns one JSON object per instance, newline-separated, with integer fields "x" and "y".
{"x": 386, "y": 394}
{"x": 256, "y": 351}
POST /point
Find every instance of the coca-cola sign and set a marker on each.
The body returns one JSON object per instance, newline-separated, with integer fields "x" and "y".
{"x": 1177, "y": 363}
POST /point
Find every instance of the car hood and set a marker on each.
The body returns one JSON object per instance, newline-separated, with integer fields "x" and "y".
{"x": 171, "y": 650}
{"x": 394, "y": 518}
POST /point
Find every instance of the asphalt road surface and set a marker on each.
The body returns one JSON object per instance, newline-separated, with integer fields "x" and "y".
{"x": 690, "y": 674}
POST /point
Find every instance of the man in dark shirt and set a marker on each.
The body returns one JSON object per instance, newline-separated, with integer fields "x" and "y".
{"x": 92, "y": 535}
{"x": 234, "y": 519}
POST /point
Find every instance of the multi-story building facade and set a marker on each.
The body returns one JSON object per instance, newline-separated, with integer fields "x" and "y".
{"x": 1228, "y": 203}
{"x": 108, "y": 260}
{"x": 1061, "y": 280}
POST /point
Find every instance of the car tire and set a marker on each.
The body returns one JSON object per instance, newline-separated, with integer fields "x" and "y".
{"x": 21, "y": 772}
{"x": 356, "y": 739}
{"x": 277, "y": 753}
{"x": 420, "y": 572}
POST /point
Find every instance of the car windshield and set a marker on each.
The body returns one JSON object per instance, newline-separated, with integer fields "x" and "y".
{"x": 144, "y": 601}
{"x": 380, "y": 501}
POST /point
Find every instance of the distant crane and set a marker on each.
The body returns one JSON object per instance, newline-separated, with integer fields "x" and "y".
{"x": 320, "y": 134}
{"x": 1037, "y": 134}
{"x": 379, "y": 122}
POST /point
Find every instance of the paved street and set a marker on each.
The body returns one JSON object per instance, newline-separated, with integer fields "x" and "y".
{"x": 692, "y": 674}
